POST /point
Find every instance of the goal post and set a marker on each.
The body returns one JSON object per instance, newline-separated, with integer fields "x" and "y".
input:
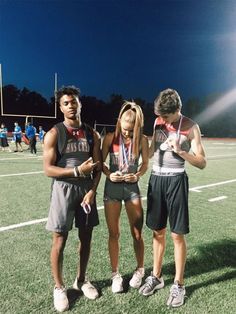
{"x": 25, "y": 115}
{"x": 104, "y": 128}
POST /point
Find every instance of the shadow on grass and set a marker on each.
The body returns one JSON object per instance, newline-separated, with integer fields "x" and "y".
{"x": 210, "y": 257}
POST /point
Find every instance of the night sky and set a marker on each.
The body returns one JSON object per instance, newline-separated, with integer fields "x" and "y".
{"x": 133, "y": 48}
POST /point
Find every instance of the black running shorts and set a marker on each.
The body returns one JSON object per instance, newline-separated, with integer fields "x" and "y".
{"x": 168, "y": 197}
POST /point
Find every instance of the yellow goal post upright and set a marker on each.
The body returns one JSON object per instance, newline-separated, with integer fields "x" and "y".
{"x": 27, "y": 116}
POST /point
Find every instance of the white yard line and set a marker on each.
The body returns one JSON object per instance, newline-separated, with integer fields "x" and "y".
{"x": 20, "y": 158}
{"x": 198, "y": 188}
{"x": 33, "y": 222}
{"x": 20, "y": 174}
{"x": 216, "y": 199}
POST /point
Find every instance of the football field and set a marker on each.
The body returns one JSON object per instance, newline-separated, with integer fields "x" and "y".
{"x": 26, "y": 284}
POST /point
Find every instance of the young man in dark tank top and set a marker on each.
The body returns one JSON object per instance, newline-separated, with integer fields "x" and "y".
{"x": 76, "y": 171}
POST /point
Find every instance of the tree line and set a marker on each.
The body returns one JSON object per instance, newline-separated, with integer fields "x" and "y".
{"x": 26, "y": 102}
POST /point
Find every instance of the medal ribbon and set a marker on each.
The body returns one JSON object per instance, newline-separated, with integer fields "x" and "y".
{"x": 124, "y": 155}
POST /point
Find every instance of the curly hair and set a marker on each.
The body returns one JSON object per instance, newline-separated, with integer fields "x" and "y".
{"x": 67, "y": 90}
{"x": 168, "y": 101}
{"x": 133, "y": 114}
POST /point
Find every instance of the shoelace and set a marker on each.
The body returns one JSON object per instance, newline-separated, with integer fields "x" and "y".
{"x": 150, "y": 281}
{"x": 175, "y": 291}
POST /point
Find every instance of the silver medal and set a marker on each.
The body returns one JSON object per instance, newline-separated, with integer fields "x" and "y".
{"x": 164, "y": 146}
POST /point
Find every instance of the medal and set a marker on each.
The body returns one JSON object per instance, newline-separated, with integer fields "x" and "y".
{"x": 164, "y": 146}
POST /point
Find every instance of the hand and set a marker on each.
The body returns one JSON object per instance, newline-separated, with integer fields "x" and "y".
{"x": 89, "y": 197}
{"x": 174, "y": 144}
{"x": 131, "y": 177}
{"x": 87, "y": 166}
{"x": 116, "y": 176}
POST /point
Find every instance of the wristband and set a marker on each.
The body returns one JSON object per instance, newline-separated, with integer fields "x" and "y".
{"x": 75, "y": 172}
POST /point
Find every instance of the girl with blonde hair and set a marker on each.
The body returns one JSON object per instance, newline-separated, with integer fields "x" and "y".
{"x": 124, "y": 147}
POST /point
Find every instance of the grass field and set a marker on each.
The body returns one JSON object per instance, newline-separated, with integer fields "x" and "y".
{"x": 25, "y": 277}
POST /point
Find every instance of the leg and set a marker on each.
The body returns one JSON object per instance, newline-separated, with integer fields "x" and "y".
{"x": 112, "y": 213}
{"x": 159, "y": 243}
{"x": 81, "y": 282}
{"x": 58, "y": 245}
{"x": 85, "y": 237}
{"x": 135, "y": 215}
{"x": 180, "y": 251}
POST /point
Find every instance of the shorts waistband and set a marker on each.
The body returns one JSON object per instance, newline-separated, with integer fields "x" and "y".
{"x": 164, "y": 171}
{"x": 167, "y": 169}
{"x": 166, "y": 174}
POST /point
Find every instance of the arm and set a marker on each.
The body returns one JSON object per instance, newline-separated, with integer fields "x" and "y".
{"x": 50, "y": 155}
{"x": 134, "y": 177}
{"x": 151, "y": 148}
{"x": 113, "y": 176}
{"x": 97, "y": 158}
{"x": 197, "y": 159}
{"x": 145, "y": 157}
{"x": 105, "y": 150}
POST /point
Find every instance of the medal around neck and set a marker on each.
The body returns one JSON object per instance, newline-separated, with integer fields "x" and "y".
{"x": 164, "y": 146}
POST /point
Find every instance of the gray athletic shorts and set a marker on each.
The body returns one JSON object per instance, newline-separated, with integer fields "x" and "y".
{"x": 120, "y": 191}
{"x": 65, "y": 207}
{"x": 168, "y": 197}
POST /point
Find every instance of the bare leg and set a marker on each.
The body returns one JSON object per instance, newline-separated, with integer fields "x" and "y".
{"x": 159, "y": 243}
{"x": 180, "y": 250}
{"x": 85, "y": 237}
{"x": 112, "y": 213}
{"x": 135, "y": 215}
{"x": 58, "y": 245}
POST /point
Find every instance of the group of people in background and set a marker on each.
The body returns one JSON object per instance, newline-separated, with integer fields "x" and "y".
{"x": 73, "y": 157}
{"x": 29, "y": 137}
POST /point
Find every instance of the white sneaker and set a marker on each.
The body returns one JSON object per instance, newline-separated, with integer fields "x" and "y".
{"x": 136, "y": 280}
{"x": 61, "y": 302}
{"x": 177, "y": 295}
{"x": 117, "y": 283}
{"x": 87, "y": 288}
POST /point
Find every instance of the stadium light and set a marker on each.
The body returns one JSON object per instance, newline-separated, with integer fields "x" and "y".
{"x": 220, "y": 105}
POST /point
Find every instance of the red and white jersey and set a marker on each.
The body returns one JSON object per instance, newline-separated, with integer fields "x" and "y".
{"x": 167, "y": 159}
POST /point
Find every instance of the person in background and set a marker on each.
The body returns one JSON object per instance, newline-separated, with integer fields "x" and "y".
{"x": 124, "y": 147}
{"x": 173, "y": 137}
{"x": 30, "y": 132}
{"x": 72, "y": 157}
{"x": 17, "y": 136}
{"x": 3, "y": 138}
{"x": 41, "y": 135}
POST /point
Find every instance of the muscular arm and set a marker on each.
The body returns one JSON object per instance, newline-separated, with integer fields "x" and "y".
{"x": 49, "y": 157}
{"x": 197, "y": 159}
{"x": 97, "y": 158}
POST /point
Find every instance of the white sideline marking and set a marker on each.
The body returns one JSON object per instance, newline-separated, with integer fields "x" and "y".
{"x": 198, "y": 188}
{"x": 216, "y": 199}
{"x": 17, "y": 158}
{"x": 20, "y": 174}
{"x": 32, "y": 222}
{"x": 36, "y": 221}
{"x": 27, "y": 223}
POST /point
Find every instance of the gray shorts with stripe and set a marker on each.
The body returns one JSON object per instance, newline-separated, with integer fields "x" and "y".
{"x": 65, "y": 207}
